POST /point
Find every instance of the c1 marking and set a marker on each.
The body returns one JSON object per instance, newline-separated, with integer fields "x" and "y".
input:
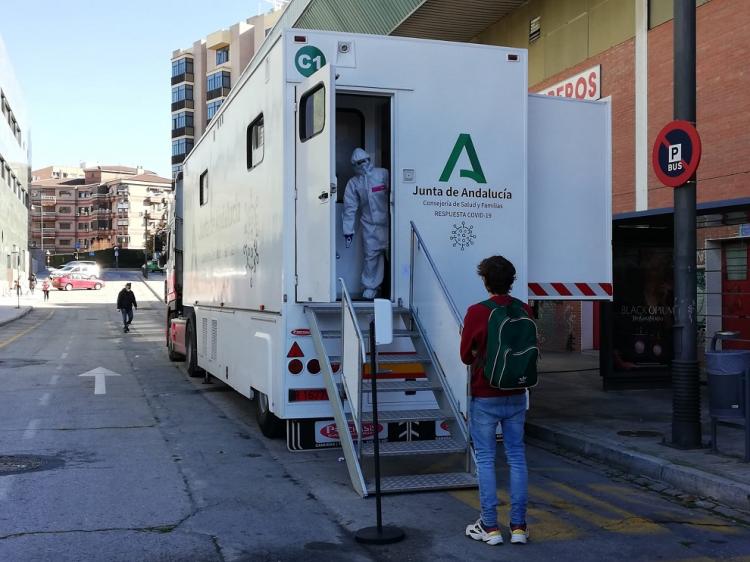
{"x": 309, "y": 60}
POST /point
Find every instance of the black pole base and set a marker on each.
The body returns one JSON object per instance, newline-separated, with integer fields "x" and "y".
{"x": 386, "y": 535}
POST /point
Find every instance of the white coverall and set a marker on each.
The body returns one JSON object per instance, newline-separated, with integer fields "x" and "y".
{"x": 368, "y": 192}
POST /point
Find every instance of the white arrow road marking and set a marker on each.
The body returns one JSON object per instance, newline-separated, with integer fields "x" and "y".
{"x": 99, "y": 374}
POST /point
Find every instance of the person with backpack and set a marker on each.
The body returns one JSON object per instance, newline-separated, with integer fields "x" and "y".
{"x": 45, "y": 289}
{"x": 499, "y": 341}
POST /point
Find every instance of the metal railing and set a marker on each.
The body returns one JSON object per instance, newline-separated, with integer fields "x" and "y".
{"x": 353, "y": 357}
{"x": 439, "y": 321}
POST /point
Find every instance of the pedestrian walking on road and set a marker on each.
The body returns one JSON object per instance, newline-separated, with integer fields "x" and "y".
{"x": 125, "y": 304}
{"x": 491, "y": 405}
{"x": 45, "y": 289}
{"x": 32, "y": 283}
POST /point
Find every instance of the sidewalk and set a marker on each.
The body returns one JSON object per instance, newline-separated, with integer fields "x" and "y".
{"x": 8, "y": 310}
{"x": 155, "y": 284}
{"x": 629, "y": 428}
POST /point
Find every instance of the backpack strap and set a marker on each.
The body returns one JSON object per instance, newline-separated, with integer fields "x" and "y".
{"x": 489, "y": 303}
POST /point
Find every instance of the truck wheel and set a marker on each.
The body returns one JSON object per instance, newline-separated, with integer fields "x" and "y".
{"x": 270, "y": 425}
{"x": 191, "y": 353}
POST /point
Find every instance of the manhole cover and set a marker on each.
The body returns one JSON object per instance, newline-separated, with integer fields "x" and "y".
{"x": 15, "y": 464}
{"x": 641, "y": 433}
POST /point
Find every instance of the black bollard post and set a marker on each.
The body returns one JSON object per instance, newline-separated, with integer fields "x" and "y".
{"x": 378, "y": 534}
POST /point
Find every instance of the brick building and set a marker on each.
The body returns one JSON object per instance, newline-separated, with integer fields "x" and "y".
{"x": 104, "y": 206}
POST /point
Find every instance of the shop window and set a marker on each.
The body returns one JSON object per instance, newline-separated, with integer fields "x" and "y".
{"x": 736, "y": 256}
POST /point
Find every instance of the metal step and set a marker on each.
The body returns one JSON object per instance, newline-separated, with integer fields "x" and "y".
{"x": 408, "y": 415}
{"x": 361, "y": 307}
{"x": 366, "y": 333}
{"x": 424, "y": 482}
{"x": 396, "y": 386}
{"x": 385, "y": 359}
{"x": 404, "y": 448}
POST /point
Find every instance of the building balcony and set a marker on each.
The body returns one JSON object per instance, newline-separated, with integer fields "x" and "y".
{"x": 184, "y": 77}
{"x": 183, "y": 131}
{"x": 49, "y": 200}
{"x": 216, "y": 93}
{"x": 178, "y": 158}
{"x": 182, "y": 104}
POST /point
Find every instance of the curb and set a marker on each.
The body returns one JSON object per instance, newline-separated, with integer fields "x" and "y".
{"x": 691, "y": 480}
{"x": 24, "y": 313}
{"x": 158, "y": 296}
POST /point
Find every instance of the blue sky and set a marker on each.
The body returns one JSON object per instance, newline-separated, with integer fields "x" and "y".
{"x": 95, "y": 73}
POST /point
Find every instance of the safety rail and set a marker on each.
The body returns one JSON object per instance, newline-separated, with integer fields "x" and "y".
{"x": 353, "y": 357}
{"x": 440, "y": 323}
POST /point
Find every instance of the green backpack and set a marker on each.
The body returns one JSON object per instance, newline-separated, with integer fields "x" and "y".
{"x": 512, "y": 352}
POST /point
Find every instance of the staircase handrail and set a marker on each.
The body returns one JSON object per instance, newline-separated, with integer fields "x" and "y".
{"x": 347, "y": 307}
{"x": 455, "y": 401}
{"x": 443, "y": 286}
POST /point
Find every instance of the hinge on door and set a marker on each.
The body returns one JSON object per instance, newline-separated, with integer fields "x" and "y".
{"x": 296, "y": 279}
{"x": 295, "y": 107}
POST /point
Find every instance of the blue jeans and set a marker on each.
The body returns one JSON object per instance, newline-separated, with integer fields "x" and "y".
{"x": 510, "y": 412}
{"x": 127, "y": 316}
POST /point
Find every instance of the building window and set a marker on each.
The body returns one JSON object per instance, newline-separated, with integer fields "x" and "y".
{"x": 182, "y": 120}
{"x": 218, "y": 80}
{"x": 222, "y": 55}
{"x": 255, "y": 142}
{"x": 312, "y": 116}
{"x": 64, "y": 242}
{"x": 204, "y": 188}
{"x": 211, "y": 108}
{"x": 181, "y": 146}
{"x": 182, "y": 93}
{"x": 182, "y": 66}
{"x": 736, "y": 261}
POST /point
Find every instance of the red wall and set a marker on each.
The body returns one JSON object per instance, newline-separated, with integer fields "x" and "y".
{"x": 723, "y": 104}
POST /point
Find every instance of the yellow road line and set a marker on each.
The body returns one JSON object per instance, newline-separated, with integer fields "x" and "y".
{"x": 544, "y": 525}
{"x": 26, "y": 331}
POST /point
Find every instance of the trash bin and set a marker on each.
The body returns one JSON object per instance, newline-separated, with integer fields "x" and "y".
{"x": 729, "y": 388}
{"x": 726, "y": 379}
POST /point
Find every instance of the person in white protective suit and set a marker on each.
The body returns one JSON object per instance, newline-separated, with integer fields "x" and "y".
{"x": 367, "y": 192}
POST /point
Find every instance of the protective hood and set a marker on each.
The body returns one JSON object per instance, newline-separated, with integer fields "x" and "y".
{"x": 365, "y": 162}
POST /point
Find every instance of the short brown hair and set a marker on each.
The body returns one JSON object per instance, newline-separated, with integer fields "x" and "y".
{"x": 497, "y": 273}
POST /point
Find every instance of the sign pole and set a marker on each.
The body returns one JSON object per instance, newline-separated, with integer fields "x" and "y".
{"x": 379, "y": 534}
{"x": 686, "y": 428}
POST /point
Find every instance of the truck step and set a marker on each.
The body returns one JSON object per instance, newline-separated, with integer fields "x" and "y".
{"x": 395, "y": 386}
{"x": 385, "y": 359}
{"x": 361, "y": 307}
{"x": 424, "y": 482}
{"x": 366, "y": 333}
{"x": 407, "y": 448}
{"x": 408, "y": 415}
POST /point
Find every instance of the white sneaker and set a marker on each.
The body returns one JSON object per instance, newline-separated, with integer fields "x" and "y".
{"x": 519, "y": 536}
{"x": 369, "y": 294}
{"x": 477, "y": 532}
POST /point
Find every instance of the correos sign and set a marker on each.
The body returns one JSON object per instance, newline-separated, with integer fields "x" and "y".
{"x": 585, "y": 85}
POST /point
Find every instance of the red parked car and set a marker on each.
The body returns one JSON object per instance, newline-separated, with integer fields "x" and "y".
{"x": 72, "y": 281}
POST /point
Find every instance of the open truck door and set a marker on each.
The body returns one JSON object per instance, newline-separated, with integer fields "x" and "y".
{"x": 570, "y": 199}
{"x": 316, "y": 186}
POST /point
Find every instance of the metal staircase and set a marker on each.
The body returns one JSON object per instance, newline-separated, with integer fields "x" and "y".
{"x": 424, "y": 439}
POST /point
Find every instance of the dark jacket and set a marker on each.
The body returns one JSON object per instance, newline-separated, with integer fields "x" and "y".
{"x": 126, "y": 300}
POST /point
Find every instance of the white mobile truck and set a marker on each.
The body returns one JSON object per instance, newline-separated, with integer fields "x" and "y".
{"x": 270, "y": 293}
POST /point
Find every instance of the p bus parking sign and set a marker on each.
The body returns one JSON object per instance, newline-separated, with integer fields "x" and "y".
{"x": 677, "y": 153}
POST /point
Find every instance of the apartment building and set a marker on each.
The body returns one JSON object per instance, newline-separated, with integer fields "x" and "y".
{"x": 14, "y": 178}
{"x": 203, "y": 74}
{"x": 109, "y": 206}
{"x": 58, "y": 172}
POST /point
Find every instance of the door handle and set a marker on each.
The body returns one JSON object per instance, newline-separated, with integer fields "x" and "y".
{"x": 323, "y": 196}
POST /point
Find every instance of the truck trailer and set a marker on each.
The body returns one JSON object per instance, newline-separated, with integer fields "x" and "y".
{"x": 264, "y": 294}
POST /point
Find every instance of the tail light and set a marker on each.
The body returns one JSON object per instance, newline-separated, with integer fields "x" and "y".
{"x": 308, "y": 395}
{"x": 295, "y": 366}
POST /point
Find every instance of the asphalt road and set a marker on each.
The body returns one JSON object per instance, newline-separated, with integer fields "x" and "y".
{"x": 162, "y": 467}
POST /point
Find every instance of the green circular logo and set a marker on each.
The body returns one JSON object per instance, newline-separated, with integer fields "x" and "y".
{"x": 309, "y": 60}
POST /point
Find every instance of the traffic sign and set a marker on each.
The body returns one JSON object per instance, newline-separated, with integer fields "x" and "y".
{"x": 677, "y": 153}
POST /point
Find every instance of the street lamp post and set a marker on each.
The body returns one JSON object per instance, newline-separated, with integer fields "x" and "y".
{"x": 16, "y": 254}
